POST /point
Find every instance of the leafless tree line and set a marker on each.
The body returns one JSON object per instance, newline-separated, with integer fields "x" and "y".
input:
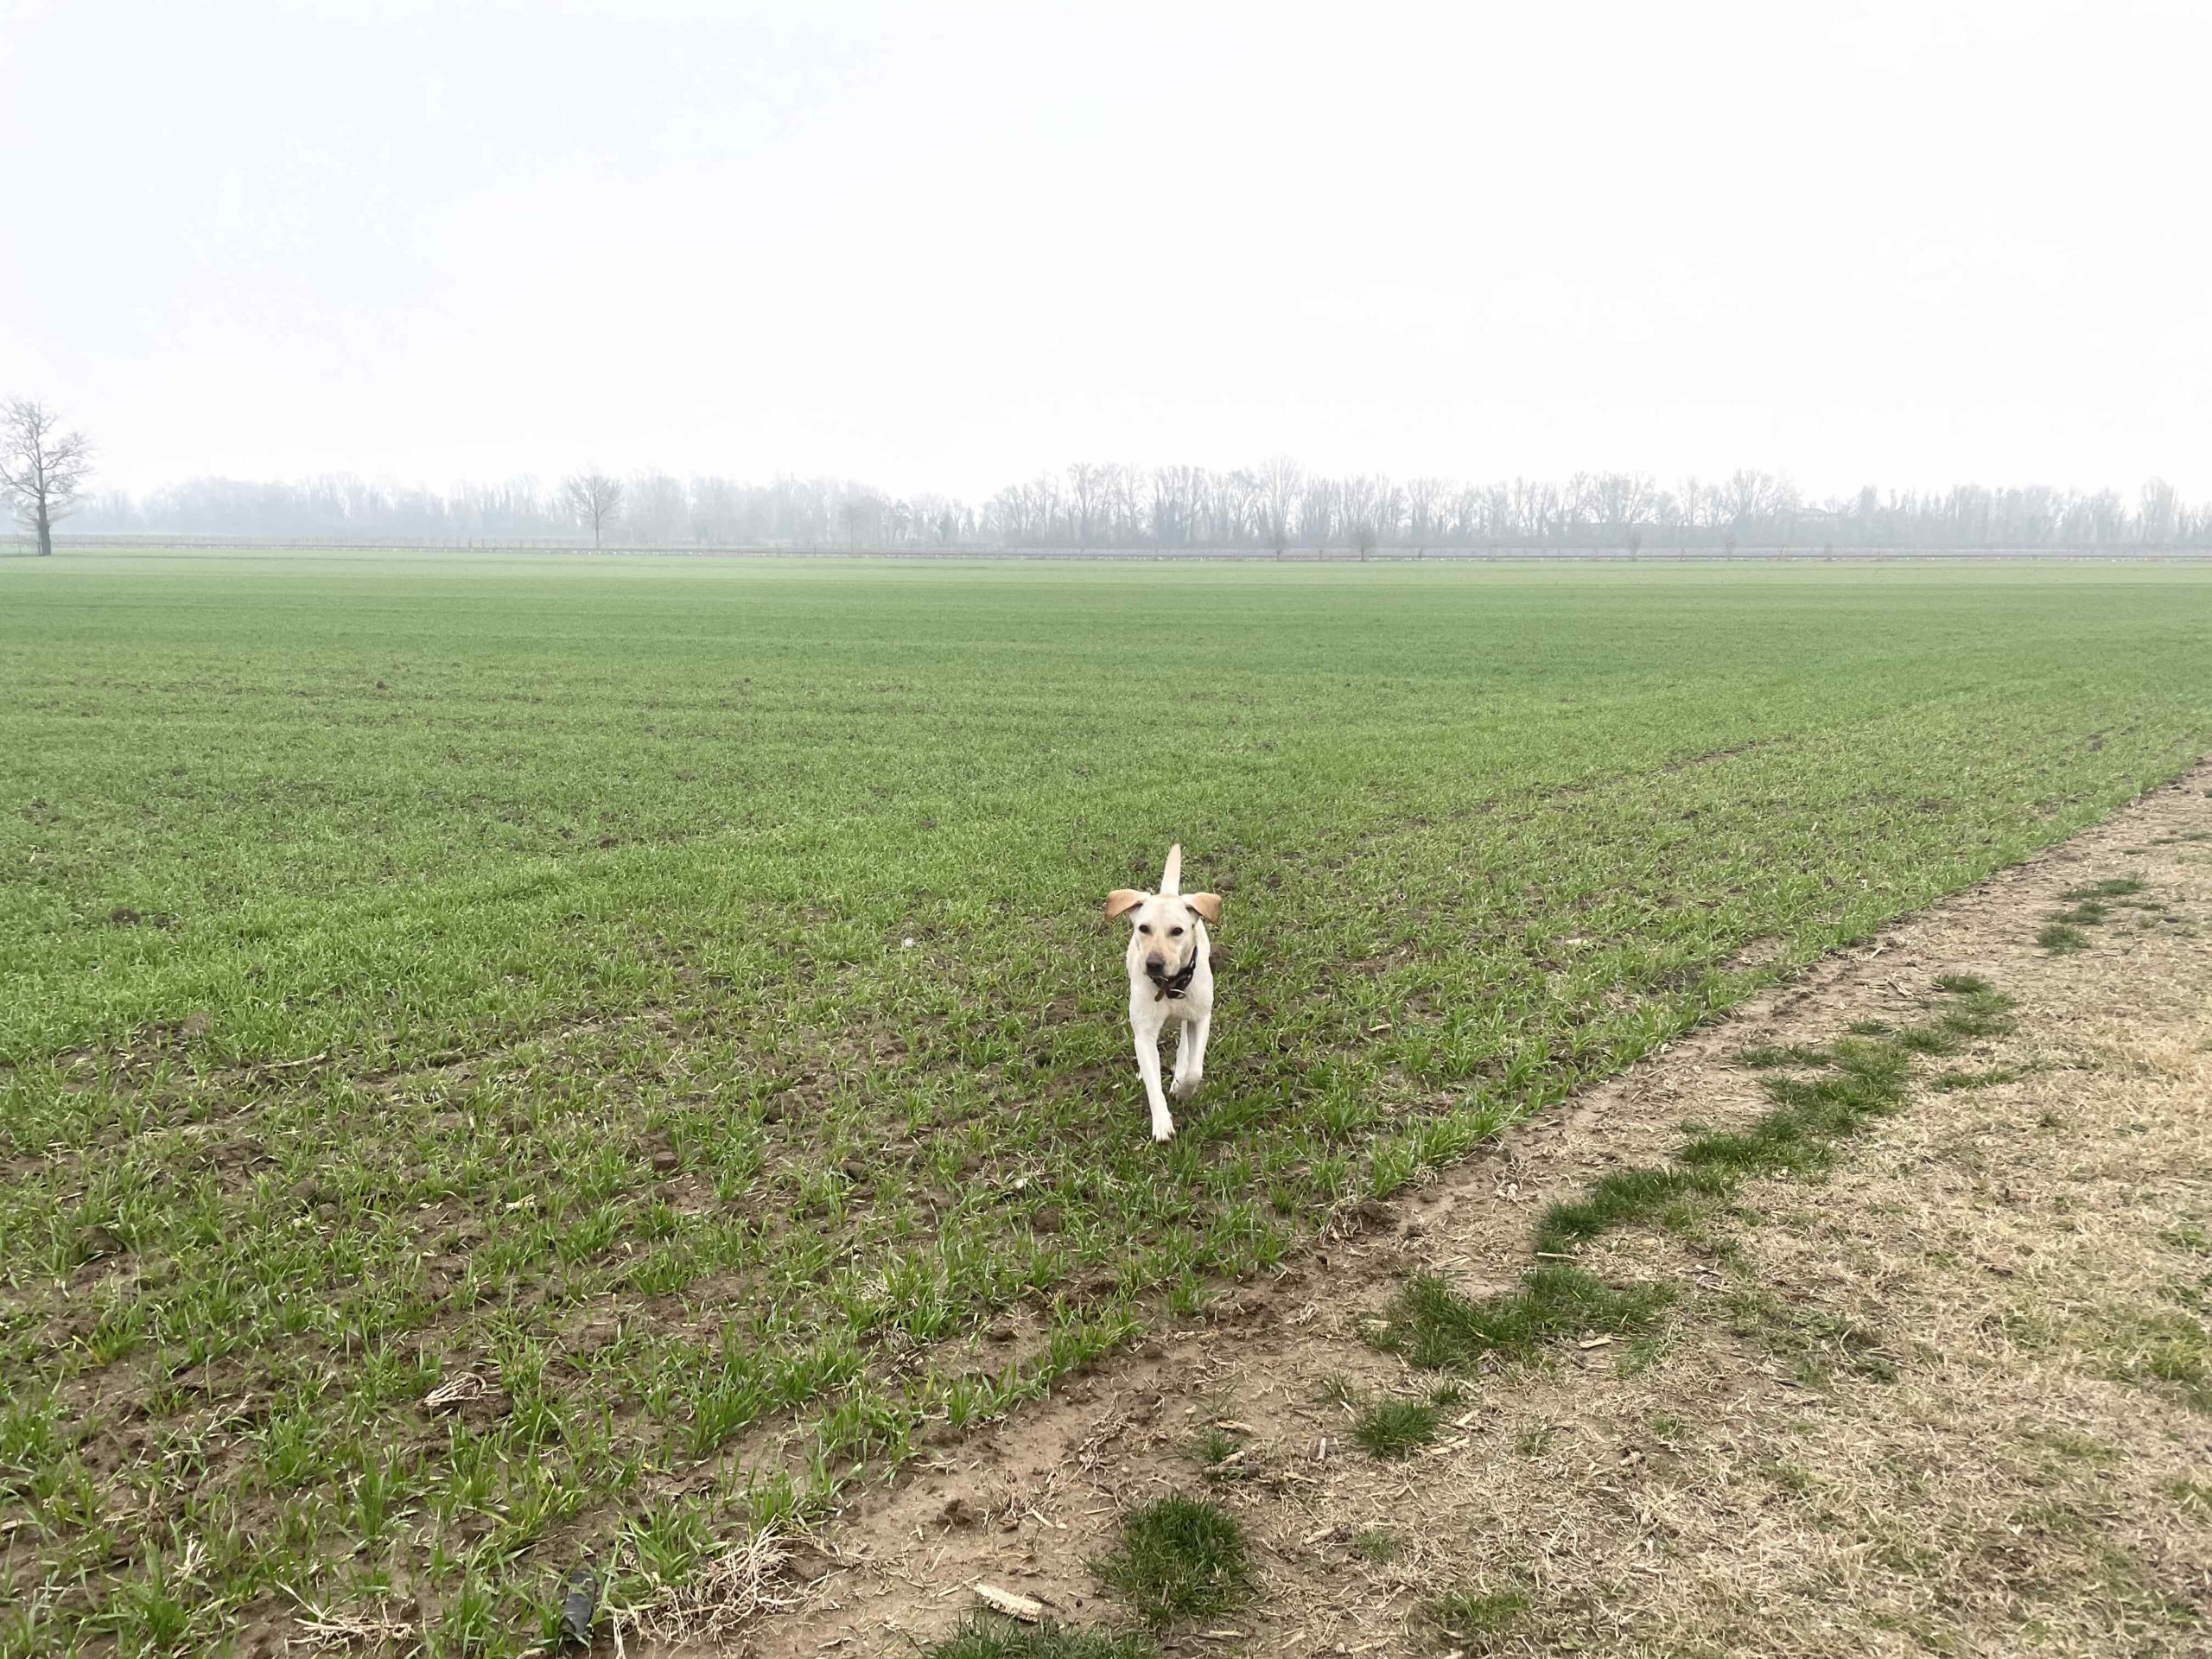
{"x": 1278, "y": 506}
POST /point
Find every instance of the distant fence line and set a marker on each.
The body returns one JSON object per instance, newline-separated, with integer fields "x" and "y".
{"x": 2133, "y": 553}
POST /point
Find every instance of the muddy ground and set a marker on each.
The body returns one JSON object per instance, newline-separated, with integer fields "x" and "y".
{"x": 1951, "y": 1397}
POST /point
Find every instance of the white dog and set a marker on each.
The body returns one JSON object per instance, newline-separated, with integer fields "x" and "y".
{"x": 1171, "y": 976}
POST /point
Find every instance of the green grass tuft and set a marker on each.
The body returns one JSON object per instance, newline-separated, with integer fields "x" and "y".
{"x": 987, "y": 1637}
{"x": 1377, "y": 1545}
{"x": 1468, "y": 1617}
{"x": 2090, "y": 913}
{"x": 2062, "y": 938}
{"x": 1767, "y": 1056}
{"x": 2093, "y": 905}
{"x": 1980, "y": 1014}
{"x": 1395, "y": 1428}
{"x": 1810, "y": 1117}
{"x": 1617, "y": 1199}
{"x": 2117, "y": 887}
{"x": 1180, "y": 1558}
{"x": 1946, "y": 1081}
{"x": 1435, "y": 1327}
{"x": 1215, "y": 1446}
{"x": 2161, "y": 1347}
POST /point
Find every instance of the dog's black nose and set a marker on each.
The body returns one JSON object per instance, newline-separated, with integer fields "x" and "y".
{"x": 1156, "y": 966}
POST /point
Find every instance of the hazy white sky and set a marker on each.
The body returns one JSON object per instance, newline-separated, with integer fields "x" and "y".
{"x": 947, "y": 245}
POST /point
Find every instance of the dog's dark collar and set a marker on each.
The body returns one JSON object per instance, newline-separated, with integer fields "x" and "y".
{"x": 1175, "y": 984}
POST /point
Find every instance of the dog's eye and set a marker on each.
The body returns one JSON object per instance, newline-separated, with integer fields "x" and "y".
{"x": 1144, "y": 927}
{"x": 1174, "y": 932}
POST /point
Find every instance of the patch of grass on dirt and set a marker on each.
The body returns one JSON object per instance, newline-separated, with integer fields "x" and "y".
{"x": 1617, "y": 1199}
{"x": 1473, "y": 1619}
{"x": 2117, "y": 887}
{"x": 1377, "y": 1545}
{"x": 1222, "y": 1454}
{"x": 1338, "y": 1390}
{"x": 1536, "y": 1442}
{"x": 987, "y": 1637}
{"x": 2161, "y": 1347}
{"x": 1179, "y": 1558}
{"x": 1766, "y": 1057}
{"x": 1395, "y": 1428}
{"x": 2090, "y": 906}
{"x": 2089, "y": 913}
{"x": 1946, "y": 1081}
{"x": 2190, "y": 1494}
{"x": 2062, "y": 938}
{"x": 2074, "y": 1446}
{"x": 1431, "y": 1325}
{"x": 1813, "y": 1344}
{"x": 1810, "y": 1117}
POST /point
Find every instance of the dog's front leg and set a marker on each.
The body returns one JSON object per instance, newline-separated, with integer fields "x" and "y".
{"x": 1190, "y": 1056}
{"x": 1163, "y": 1126}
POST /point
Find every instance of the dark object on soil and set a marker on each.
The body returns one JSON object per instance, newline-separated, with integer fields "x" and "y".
{"x": 577, "y": 1607}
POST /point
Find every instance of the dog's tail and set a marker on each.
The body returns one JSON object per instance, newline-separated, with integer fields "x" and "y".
{"x": 1171, "y": 877}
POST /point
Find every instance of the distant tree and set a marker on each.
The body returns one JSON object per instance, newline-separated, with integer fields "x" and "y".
{"x": 1363, "y": 507}
{"x": 1317, "y": 510}
{"x": 1282, "y": 480}
{"x": 42, "y": 469}
{"x": 716, "y": 510}
{"x": 1087, "y": 486}
{"x": 2162, "y": 511}
{"x": 592, "y": 499}
{"x": 1425, "y": 506}
{"x": 654, "y": 509}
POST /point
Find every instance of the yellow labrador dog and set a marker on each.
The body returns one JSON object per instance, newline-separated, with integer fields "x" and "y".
{"x": 1171, "y": 977}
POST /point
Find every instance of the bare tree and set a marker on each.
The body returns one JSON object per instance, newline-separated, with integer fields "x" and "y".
{"x": 1282, "y": 480}
{"x": 42, "y": 469}
{"x": 1086, "y": 489}
{"x": 1360, "y": 509}
{"x": 592, "y": 499}
{"x": 716, "y": 511}
{"x": 657, "y": 511}
{"x": 1174, "y": 504}
{"x": 2162, "y": 511}
{"x": 1425, "y": 499}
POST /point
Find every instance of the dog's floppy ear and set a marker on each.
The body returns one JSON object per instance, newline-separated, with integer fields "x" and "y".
{"x": 1208, "y": 905}
{"x": 1123, "y": 899}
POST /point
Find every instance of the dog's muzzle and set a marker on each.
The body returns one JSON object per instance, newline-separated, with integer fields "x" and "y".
{"x": 1166, "y": 986}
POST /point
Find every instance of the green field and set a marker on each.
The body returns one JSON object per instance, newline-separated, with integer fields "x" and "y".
{"x": 504, "y": 1060}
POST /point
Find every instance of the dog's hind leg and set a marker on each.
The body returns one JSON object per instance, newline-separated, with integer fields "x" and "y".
{"x": 1163, "y": 1126}
{"x": 1190, "y": 1056}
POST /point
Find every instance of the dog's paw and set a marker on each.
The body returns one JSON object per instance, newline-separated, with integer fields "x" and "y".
{"x": 1163, "y": 1128}
{"x": 1184, "y": 1088}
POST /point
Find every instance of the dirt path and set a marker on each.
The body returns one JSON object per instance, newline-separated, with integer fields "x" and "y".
{"x": 1953, "y": 1397}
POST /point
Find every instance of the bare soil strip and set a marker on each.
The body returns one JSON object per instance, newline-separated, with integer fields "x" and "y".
{"x": 1951, "y": 1397}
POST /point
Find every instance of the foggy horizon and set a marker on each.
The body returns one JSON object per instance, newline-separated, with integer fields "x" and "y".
{"x": 1903, "y": 246}
{"x": 1277, "y": 505}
